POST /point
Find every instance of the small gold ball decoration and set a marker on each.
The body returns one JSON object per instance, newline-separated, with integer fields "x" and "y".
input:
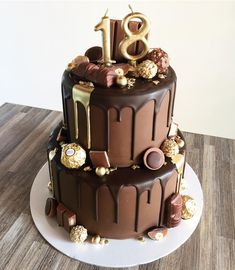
{"x": 188, "y": 207}
{"x": 147, "y": 69}
{"x": 179, "y": 141}
{"x": 121, "y": 80}
{"x": 95, "y": 239}
{"x": 78, "y": 234}
{"x": 170, "y": 148}
{"x": 50, "y": 186}
{"x": 100, "y": 171}
{"x": 73, "y": 156}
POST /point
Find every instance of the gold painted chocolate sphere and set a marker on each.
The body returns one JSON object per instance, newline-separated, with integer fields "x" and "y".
{"x": 73, "y": 156}
{"x": 100, "y": 171}
{"x": 121, "y": 81}
{"x": 188, "y": 207}
{"x": 170, "y": 148}
{"x": 179, "y": 141}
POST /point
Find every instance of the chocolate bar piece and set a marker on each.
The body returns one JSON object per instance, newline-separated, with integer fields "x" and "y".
{"x": 117, "y": 35}
{"x": 69, "y": 219}
{"x": 173, "y": 210}
{"x": 104, "y": 76}
{"x": 99, "y": 159}
{"x": 60, "y": 211}
{"x": 65, "y": 217}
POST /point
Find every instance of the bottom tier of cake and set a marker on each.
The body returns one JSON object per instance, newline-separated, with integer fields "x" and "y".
{"x": 122, "y": 204}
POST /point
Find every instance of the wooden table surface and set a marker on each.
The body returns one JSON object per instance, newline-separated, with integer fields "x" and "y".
{"x": 24, "y": 134}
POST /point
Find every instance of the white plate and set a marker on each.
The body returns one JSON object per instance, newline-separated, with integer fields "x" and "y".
{"x": 117, "y": 253}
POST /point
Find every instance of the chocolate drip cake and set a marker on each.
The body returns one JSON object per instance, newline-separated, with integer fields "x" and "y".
{"x": 117, "y": 159}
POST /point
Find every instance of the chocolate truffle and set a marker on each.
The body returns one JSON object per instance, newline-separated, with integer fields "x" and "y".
{"x": 154, "y": 158}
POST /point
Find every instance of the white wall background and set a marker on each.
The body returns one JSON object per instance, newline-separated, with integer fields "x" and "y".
{"x": 38, "y": 39}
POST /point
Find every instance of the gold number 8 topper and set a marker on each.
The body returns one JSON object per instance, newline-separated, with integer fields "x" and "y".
{"x": 132, "y": 37}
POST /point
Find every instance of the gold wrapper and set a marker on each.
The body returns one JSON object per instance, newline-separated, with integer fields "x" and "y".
{"x": 170, "y": 148}
{"x": 73, "y": 156}
{"x": 78, "y": 234}
{"x": 147, "y": 69}
{"x": 188, "y": 207}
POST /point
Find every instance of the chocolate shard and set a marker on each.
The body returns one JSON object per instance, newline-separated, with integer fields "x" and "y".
{"x": 94, "y": 53}
{"x": 173, "y": 210}
{"x": 99, "y": 159}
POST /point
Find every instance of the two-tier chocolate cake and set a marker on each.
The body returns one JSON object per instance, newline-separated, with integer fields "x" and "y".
{"x": 117, "y": 159}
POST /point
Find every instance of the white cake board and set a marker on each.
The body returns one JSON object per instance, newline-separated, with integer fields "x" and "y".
{"x": 117, "y": 253}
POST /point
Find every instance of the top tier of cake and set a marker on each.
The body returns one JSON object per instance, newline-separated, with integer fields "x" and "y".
{"x": 124, "y": 122}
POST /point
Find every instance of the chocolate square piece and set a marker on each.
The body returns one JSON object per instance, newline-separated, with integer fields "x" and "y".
{"x": 60, "y": 212}
{"x": 99, "y": 159}
{"x": 69, "y": 219}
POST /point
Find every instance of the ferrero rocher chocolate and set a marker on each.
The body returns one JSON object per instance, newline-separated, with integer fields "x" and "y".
{"x": 170, "y": 148}
{"x": 147, "y": 69}
{"x": 78, "y": 234}
{"x": 160, "y": 58}
{"x": 73, "y": 156}
{"x": 188, "y": 207}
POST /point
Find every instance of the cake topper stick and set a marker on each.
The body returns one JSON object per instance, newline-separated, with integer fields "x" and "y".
{"x": 132, "y": 37}
{"x": 104, "y": 26}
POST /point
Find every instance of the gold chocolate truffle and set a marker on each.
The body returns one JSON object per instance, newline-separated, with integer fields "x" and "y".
{"x": 95, "y": 239}
{"x": 188, "y": 207}
{"x": 121, "y": 81}
{"x": 73, "y": 156}
{"x": 179, "y": 141}
{"x": 147, "y": 69}
{"x": 170, "y": 148}
{"x": 100, "y": 171}
{"x": 78, "y": 234}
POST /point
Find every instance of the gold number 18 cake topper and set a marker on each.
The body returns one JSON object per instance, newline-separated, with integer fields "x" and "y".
{"x": 132, "y": 37}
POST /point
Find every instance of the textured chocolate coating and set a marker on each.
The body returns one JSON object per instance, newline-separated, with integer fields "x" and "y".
{"x": 117, "y": 117}
{"x": 100, "y": 203}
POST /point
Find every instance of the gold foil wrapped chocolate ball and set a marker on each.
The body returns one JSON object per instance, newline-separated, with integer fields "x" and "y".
{"x": 188, "y": 207}
{"x": 179, "y": 141}
{"x": 170, "y": 148}
{"x": 147, "y": 69}
{"x": 100, "y": 171}
{"x": 73, "y": 156}
{"x": 121, "y": 80}
{"x": 78, "y": 234}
